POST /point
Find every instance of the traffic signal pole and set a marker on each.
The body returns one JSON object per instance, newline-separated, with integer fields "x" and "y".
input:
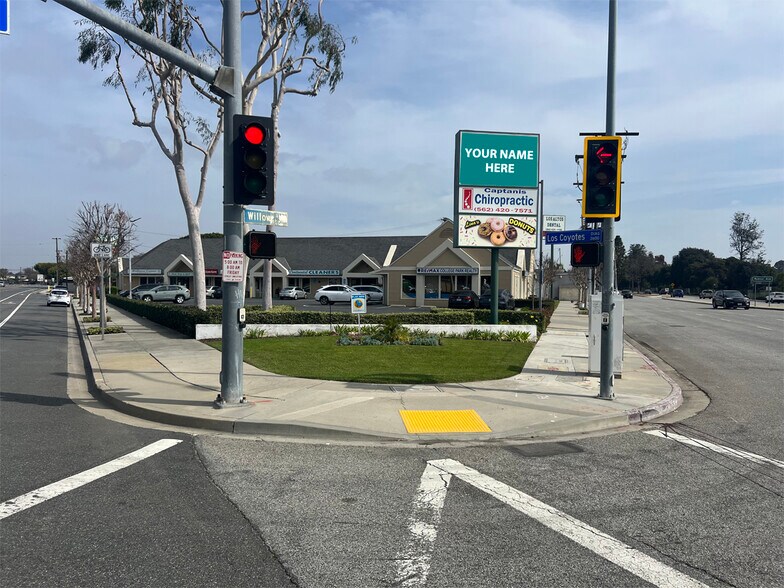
{"x": 606, "y": 373}
{"x": 233, "y": 292}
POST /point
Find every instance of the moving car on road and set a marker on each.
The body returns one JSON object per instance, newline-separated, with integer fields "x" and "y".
{"x": 292, "y": 292}
{"x": 627, "y": 294}
{"x": 706, "y": 294}
{"x": 677, "y": 293}
{"x": 730, "y": 299}
{"x": 372, "y": 293}
{"x": 463, "y": 299}
{"x": 58, "y": 296}
{"x": 334, "y": 293}
{"x": 774, "y": 297}
{"x": 505, "y": 300}
{"x": 165, "y": 293}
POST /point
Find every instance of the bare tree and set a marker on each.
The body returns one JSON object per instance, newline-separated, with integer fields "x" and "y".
{"x": 285, "y": 26}
{"x": 309, "y": 45}
{"x": 746, "y": 237}
{"x": 550, "y": 272}
{"x": 580, "y": 277}
{"x": 97, "y": 223}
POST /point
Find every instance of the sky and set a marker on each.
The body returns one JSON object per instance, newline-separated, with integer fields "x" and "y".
{"x": 701, "y": 81}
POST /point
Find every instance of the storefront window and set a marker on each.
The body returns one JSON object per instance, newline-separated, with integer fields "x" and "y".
{"x": 431, "y": 286}
{"x": 409, "y": 286}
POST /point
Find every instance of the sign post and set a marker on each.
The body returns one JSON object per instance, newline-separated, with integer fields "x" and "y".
{"x": 358, "y": 307}
{"x": 102, "y": 251}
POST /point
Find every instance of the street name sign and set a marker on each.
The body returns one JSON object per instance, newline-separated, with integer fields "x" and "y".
{"x": 761, "y": 279}
{"x": 266, "y": 217}
{"x": 5, "y": 17}
{"x": 233, "y": 266}
{"x": 567, "y": 237}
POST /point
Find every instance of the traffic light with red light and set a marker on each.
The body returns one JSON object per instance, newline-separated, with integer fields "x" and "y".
{"x": 586, "y": 254}
{"x": 260, "y": 245}
{"x": 602, "y": 177}
{"x": 254, "y": 160}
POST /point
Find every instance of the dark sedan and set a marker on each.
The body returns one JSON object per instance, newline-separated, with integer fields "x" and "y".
{"x": 505, "y": 300}
{"x": 730, "y": 299}
{"x": 463, "y": 299}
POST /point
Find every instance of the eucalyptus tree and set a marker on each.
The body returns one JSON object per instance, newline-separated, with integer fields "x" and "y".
{"x": 184, "y": 117}
{"x": 746, "y": 237}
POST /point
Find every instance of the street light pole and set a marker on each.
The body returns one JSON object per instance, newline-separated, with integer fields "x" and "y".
{"x": 57, "y": 260}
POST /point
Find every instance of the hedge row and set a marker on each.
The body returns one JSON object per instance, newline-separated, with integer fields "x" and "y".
{"x": 185, "y": 318}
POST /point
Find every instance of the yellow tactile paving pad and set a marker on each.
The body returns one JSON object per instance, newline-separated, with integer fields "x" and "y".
{"x": 443, "y": 421}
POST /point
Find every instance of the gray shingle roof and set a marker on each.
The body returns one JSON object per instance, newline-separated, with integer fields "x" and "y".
{"x": 294, "y": 252}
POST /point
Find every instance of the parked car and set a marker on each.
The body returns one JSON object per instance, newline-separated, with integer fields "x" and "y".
{"x": 334, "y": 293}
{"x": 372, "y": 293}
{"x": 774, "y": 297}
{"x": 627, "y": 294}
{"x": 217, "y": 292}
{"x": 292, "y": 292}
{"x": 2, "y": 283}
{"x": 677, "y": 293}
{"x": 730, "y": 299}
{"x": 140, "y": 288}
{"x": 664, "y": 291}
{"x": 58, "y": 296}
{"x": 167, "y": 292}
{"x": 463, "y": 299}
{"x": 706, "y": 294}
{"x": 505, "y": 300}
{"x": 210, "y": 293}
{"x": 648, "y": 292}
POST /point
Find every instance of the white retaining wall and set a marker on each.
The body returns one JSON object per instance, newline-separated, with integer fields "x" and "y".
{"x": 214, "y": 331}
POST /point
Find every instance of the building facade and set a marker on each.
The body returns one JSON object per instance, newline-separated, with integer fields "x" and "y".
{"x": 413, "y": 271}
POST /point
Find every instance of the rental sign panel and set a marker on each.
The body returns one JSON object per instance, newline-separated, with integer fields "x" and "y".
{"x": 496, "y": 189}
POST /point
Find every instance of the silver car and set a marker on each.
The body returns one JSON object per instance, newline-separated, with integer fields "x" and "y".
{"x": 372, "y": 293}
{"x": 292, "y": 292}
{"x": 58, "y": 296}
{"x": 334, "y": 293}
{"x": 165, "y": 293}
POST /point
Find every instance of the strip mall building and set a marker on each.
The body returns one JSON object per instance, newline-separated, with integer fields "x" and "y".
{"x": 413, "y": 271}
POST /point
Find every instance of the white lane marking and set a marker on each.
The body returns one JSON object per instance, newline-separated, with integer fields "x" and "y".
{"x": 327, "y": 406}
{"x": 25, "y": 501}
{"x": 13, "y": 312}
{"x": 431, "y": 495}
{"x": 413, "y": 564}
{"x": 17, "y": 294}
{"x": 765, "y": 328}
{"x": 717, "y": 448}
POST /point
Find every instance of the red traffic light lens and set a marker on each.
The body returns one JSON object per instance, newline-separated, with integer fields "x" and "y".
{"x": 605, "y": 152}
{"x": 254, "y": 134}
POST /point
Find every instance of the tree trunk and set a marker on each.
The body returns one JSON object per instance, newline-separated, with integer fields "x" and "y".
{"x": 192, "y": 214}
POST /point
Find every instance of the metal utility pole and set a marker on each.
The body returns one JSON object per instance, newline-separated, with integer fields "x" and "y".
{"x": 541, "y": 243}
{"x": 606, "y": 374}
{"x": 57, "y": 260}
{"x": 233, "y": 292}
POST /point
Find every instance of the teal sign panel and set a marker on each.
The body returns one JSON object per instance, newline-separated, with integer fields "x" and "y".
{"x": 509, "y": 160}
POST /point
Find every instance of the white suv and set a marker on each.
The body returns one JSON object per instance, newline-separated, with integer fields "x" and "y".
{"x": 334, "y": 293}
{"x": 775, "y": 297}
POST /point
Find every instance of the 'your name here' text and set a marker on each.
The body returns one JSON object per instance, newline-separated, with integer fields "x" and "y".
{"x": 494, "y": 167}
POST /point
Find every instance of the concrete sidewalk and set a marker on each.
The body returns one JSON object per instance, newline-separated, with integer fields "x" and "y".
{"x": 157, "y": 374}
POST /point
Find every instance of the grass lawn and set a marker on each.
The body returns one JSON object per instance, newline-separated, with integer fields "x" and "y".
{"x": 456, "y": 360}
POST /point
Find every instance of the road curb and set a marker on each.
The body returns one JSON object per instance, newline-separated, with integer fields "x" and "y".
{"x": 668, "y": 404}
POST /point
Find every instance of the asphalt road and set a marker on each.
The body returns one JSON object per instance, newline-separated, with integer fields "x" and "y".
{"x": 158, "y": 522}
{"x": 629, "y": 509}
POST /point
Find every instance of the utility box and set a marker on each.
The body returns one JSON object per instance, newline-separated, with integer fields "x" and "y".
{"x": 595, "y": 334}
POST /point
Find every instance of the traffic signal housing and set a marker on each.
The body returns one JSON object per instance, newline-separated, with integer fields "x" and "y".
{"x": 260, "y": 245}
{"x": 586, "y": 254}
{"x": 602, "y": 177}
{"x": 254, "y": 160}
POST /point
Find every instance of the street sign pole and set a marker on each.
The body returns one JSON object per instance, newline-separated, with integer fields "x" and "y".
{"x": 606, "y": 374}
{"x": 541, "y": 243}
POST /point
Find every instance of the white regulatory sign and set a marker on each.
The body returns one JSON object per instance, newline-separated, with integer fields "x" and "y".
{"x": 101, "y": 250}
{"x": 233, "y": 266}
